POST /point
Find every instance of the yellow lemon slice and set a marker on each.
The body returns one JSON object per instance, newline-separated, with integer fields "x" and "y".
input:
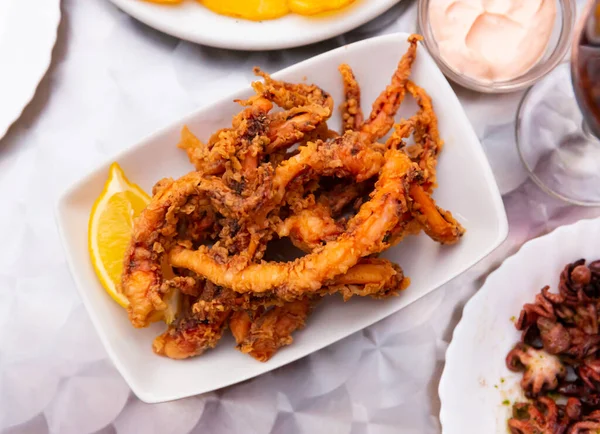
{"x": 109, "y": 230}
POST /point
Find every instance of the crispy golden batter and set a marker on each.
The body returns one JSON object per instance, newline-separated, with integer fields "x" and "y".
{"x": 352, "y": 115}
{"x": 245, "y": 138}
{"x": 373, "y": 277}
{"x": 199, "y": 327}
{"x": 261, "y": 334}
{"x": 428, "y": 142}
{"x": 387, "y": 104}
{"x": 364, "y": 236}
{"x": 306, "y": 108}
{"x": 153, "y": 232}
{"x": 439, "y": 224}
{"x": 202, "y": 323}
{"x": 310, "y": 227}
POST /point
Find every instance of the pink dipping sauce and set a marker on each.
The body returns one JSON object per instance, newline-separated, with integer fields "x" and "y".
{"x": 492, "y": 40}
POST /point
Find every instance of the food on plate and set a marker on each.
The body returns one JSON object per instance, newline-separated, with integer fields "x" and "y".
{"x": 558, "y": 355}
{"x": 260, "y": 333}
{"x": 279, "y": 172}
{"x": 258, "y": 10}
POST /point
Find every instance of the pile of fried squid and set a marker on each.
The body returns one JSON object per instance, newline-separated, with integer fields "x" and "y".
{"x": 559, "y": 356}
{"x": 280, "y": 173}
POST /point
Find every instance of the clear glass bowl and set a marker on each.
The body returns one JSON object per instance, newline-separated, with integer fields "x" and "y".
{"x": 558, "y": 150}
{"x": 558, "y": 46}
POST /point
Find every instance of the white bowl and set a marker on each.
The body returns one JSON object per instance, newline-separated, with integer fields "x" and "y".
{"x": 477, "y": 390}
{"x": 467, "y": 188}
{"x": 193, "y": 22}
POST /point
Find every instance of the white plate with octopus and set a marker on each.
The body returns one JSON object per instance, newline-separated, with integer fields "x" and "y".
{"x": 466, "y": 187}
{"x": 477, "y": 390}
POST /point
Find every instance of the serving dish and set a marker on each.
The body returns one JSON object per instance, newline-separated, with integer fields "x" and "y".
{"x": 470, "y": 191}
{"x": 193, "y": 22}
{"x": 25, "y": 52}
{"x": 558, "y": 45}
{"x": 476, "y": 389}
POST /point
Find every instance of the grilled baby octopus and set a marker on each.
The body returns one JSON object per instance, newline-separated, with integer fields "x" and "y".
{"x": 542, "y": 370}
{"x": 559, "y": 353}
{"x": 544, "y": 417}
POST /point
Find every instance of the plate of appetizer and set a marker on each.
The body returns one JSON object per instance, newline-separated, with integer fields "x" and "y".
{"x": 524, "y": 357}
{"x": 24, "y": 63}
{"x": 254, "y": 25}
{"x": 281, "y": 219}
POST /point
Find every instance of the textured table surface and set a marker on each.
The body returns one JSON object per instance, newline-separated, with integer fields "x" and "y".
{"x": 111, "y": 82}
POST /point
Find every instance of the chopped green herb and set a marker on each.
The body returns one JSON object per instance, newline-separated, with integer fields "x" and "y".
{"x": 502, "y": 379}
{"x": 506, "y": 402}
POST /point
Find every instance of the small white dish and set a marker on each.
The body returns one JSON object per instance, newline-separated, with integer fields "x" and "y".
{"x": 476, "y": 389}
{"x": 27, "y": 36}
{"x": 467, "y": 188}
{"x": 193, "y": 22}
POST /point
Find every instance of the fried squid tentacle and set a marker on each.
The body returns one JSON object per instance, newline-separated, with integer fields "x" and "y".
{"x": 307, "y": 107}
{"x": 292, "y": 126}
{"x": 156, "y": 229}
{"x": 373, "y": 277}
{"x": 388, "y": 102}
{"x": 352, "y": 115}
{"x": 201, "y": 324}
{"x": 261, "y": 334}
{"x": 365, "y": 236}
{"x": 310, "y": 227}
{"x": 199, "y": 328}
{"x": 153, "y": 232}
{"x": 438, "y": 223}
{"x": 249, "y": 129}
{"x": 190, "y": 336}
{"x": 290, "y": 95}
{"x": 428, "y": 142}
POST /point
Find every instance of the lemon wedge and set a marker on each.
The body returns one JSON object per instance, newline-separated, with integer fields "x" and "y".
{"x": 109, "y": 230}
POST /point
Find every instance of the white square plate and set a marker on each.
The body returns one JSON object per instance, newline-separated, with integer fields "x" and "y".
{"x": 467, "y": 188}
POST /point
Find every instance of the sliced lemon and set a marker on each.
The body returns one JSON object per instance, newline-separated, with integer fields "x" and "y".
{"x": 110, "y": 226}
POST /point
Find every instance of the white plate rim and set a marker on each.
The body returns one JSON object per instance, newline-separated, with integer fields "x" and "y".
{"x": 48, "y": 43}
{"x": 331, "y": 27}
{"x": 63, "y": 198}
{"x": 474, "y": 302}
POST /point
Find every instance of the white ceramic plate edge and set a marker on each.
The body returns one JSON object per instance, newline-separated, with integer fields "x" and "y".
{"x": 444, "y": 388}
{"x": 44, "y": 65}
{"x": 331, "y": 28}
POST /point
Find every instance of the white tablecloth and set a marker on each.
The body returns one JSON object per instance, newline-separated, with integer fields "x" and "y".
{"x": 112, "y": 81}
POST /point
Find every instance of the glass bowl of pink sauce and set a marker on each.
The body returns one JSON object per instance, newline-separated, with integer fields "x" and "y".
{"x": 497, "y": 46}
